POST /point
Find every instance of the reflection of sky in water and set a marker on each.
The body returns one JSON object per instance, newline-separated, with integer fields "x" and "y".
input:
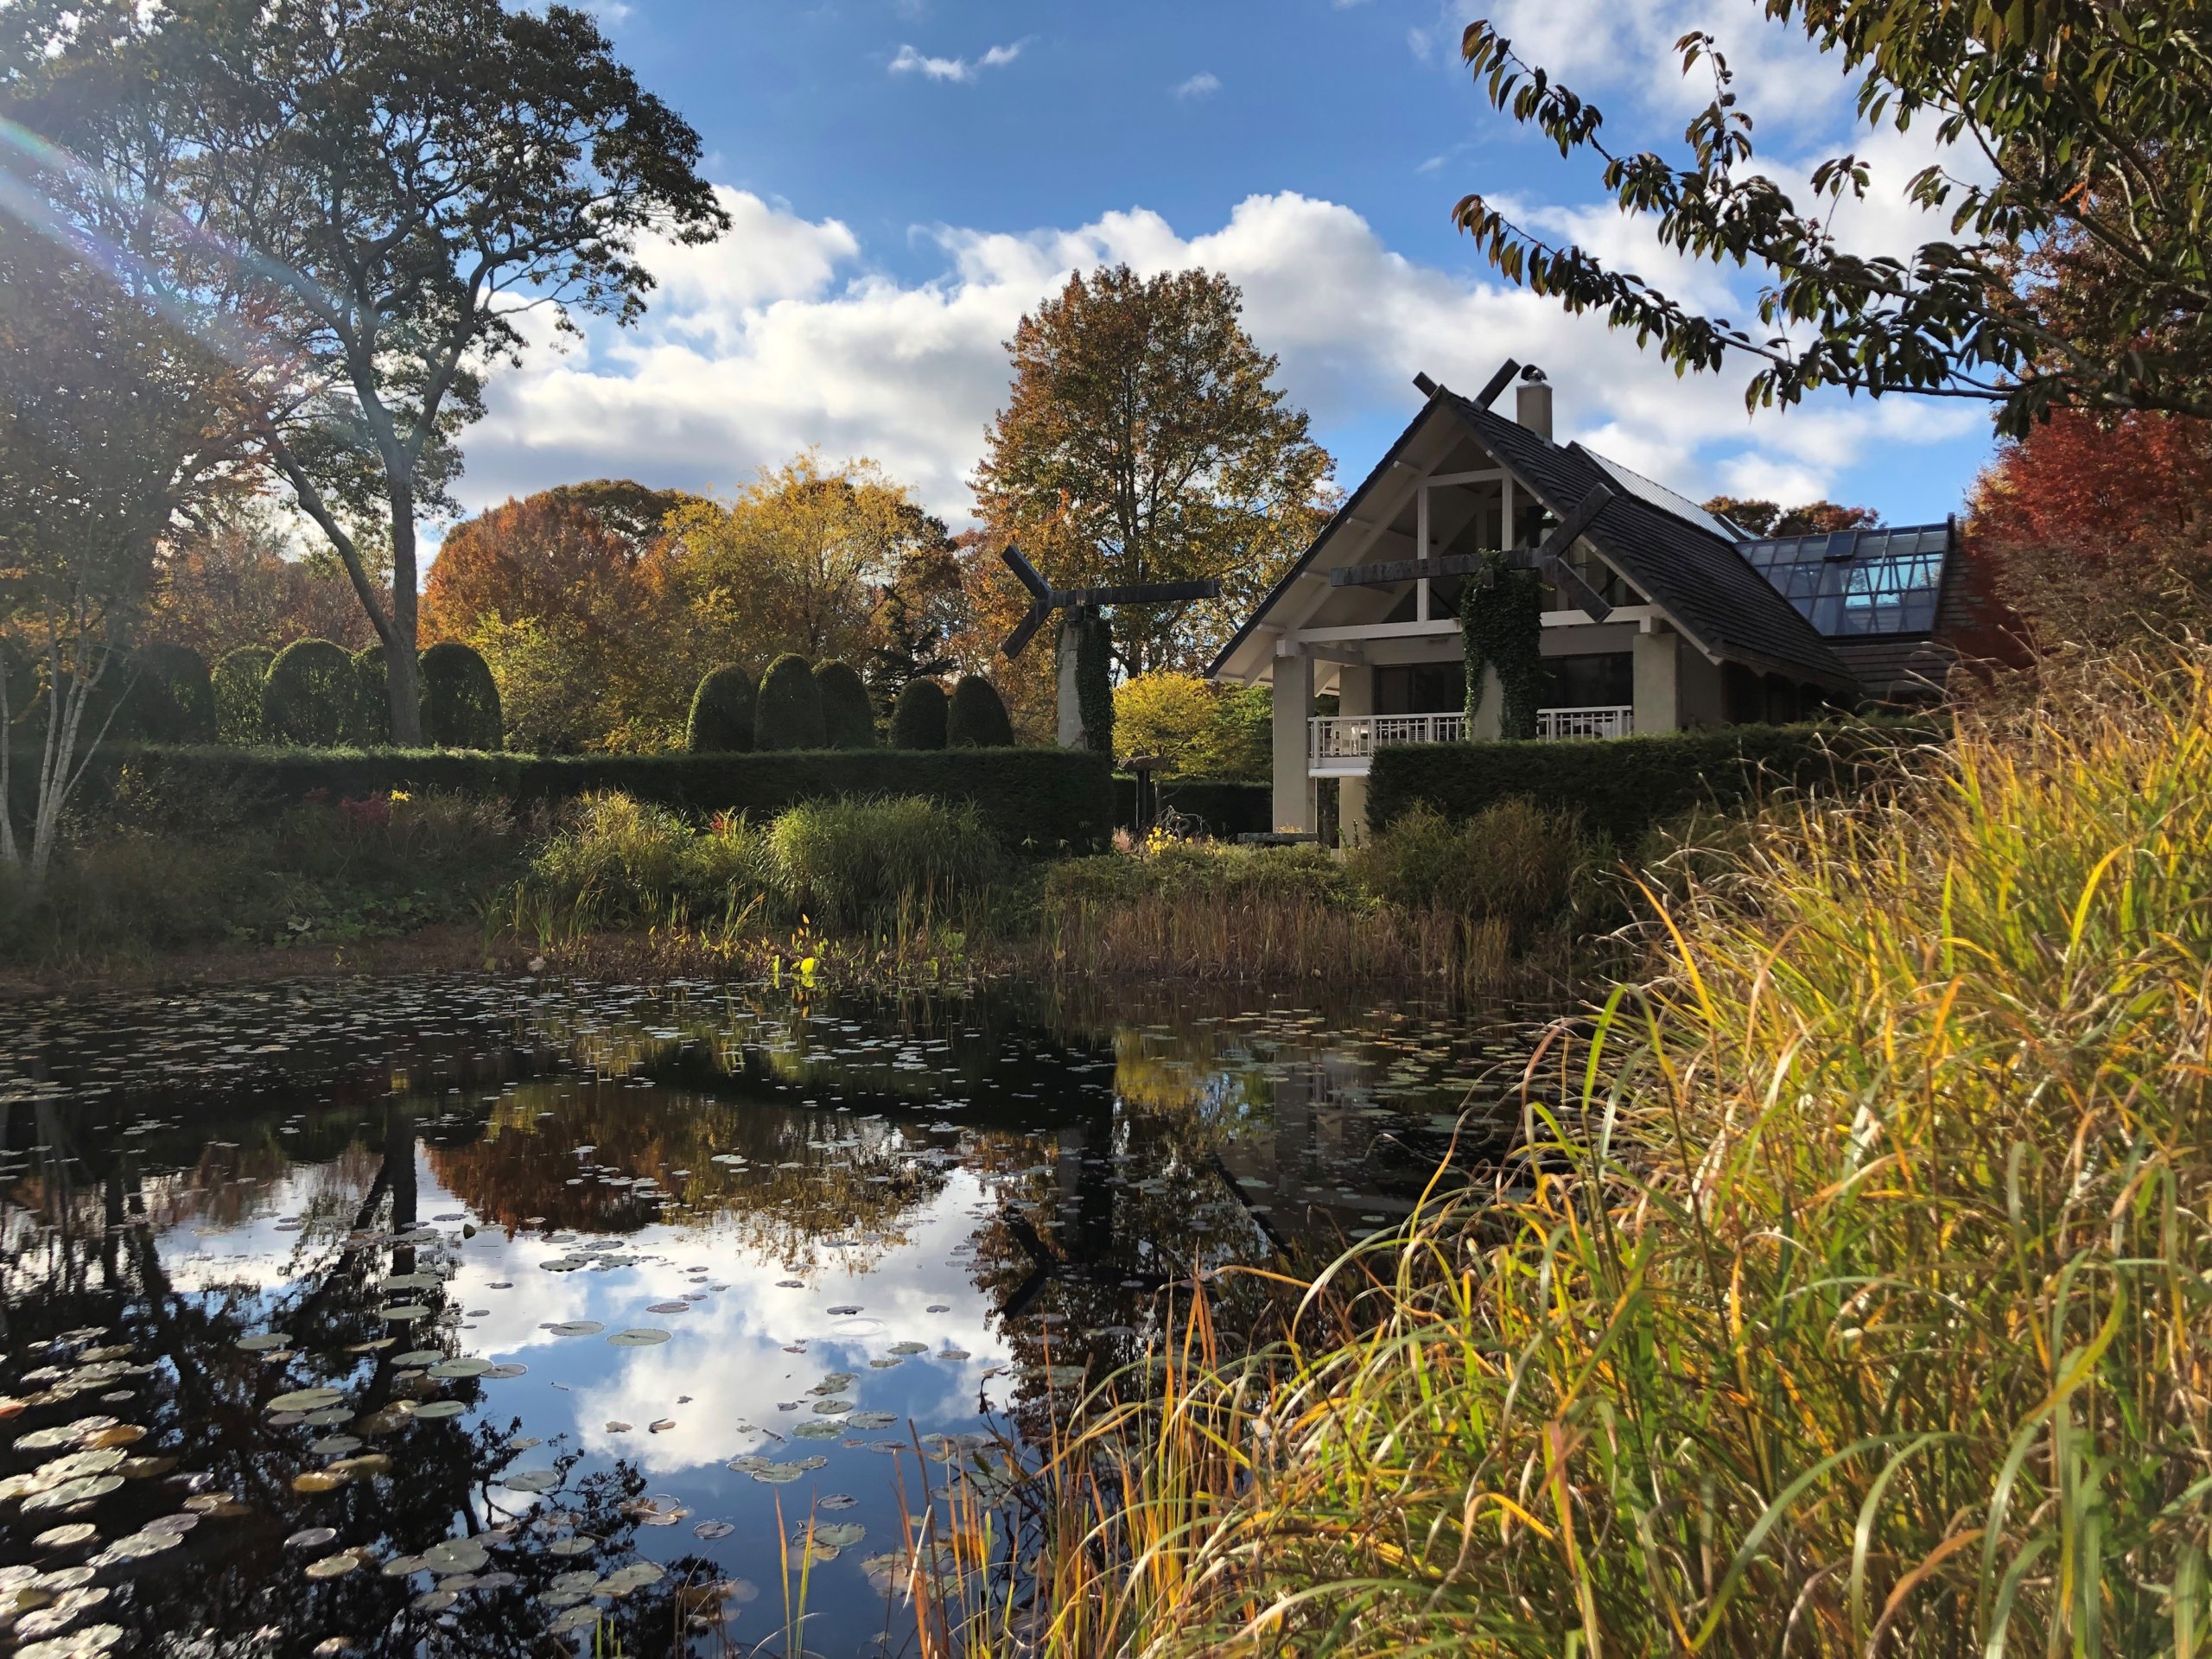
{"x": 956, "y": 1141}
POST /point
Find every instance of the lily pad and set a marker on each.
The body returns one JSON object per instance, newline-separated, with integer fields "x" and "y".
{"x": 531, "y": 1480}
{"x": 639, "y": 1337}
{"x": 636, "y": 1576}
{"x": 263, "y": 1343}
{"x": 311, "y": 1538}
{"x": 449, "y": 1370}
{"x": 440, "y": 1408}
{"x": 305, "y": 1400}
{"x": 576, "y": 1328}
{"x": 711, "y": 1530}
{"x": 819, "y": 1430}
{"x": 67, "y": 1536}
{"x": 404, "y": 1313}
{"x": 907, "y": 1349}
{"x": 334, "y": 1566}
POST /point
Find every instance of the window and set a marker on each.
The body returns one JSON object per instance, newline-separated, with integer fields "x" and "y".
{"x": 1595, "y": 680}
{"x": 1859, "y": 582}
{"x": 1421, "y": 689}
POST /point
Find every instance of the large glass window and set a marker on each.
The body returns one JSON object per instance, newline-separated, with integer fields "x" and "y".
{"x": 1421, "y": 689}
{"x": 1858, "y": 582}
{"x": 1603, "y": 679}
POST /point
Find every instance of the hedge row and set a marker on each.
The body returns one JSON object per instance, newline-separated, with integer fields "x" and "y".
{"x": 1622, "y": 786}
{"x": 1042, "y": 800}
{"x": 1222, "y": 809}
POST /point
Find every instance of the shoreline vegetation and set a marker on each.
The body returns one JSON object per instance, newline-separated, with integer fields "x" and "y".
{"x": 1847, "y": 1294}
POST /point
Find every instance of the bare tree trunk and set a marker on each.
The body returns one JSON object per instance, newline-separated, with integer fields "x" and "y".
{"x": 400, "y": 675}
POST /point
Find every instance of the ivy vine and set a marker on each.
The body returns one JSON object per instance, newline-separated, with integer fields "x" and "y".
{"x": 1501, "y": 627}
{"x": 1094, "y": 679}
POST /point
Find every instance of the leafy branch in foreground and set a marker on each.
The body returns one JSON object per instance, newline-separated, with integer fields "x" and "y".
{"x": 2090, "y": 119}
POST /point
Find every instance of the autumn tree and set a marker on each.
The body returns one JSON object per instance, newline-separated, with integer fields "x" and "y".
{"x": 799, "y": 560}
{"x": 2096, "y": 126}
{"x": 566, "y": 595}
{"x": 2099, "y": 530}
{"x": 1142, "y": 442}
{"x": 403, "y": 183}
{"x": 1766, "y": 518}
{"x": 238, "y": 580}
{"x": 117, "y": 428}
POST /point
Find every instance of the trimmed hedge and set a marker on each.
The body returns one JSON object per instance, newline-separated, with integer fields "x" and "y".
{"x": 976, "y": 718}
{"x": 460, "y": 700}
{"x": 847, "y": 716}
{"x": 1222, "y": 809}
{"x": 237, "y": 680}
{"x": 918, "y": 719}
{"x": 173, "y": 699}
{"x": 1622, "y": 786}
{"x": 312, "y": 696}
{"x": 721, "y": 713}
{"x": 1045, "y": 800}
{"x": 789, "y": 713}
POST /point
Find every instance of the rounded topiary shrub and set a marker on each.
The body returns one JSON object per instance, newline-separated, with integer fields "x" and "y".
{"x": 374, "y": 673}
{"x": 171, "y": 698}
{"x": 848, "y": 718}
{"x": 976, "y": 718}
{"x": 460, "y": 700}
{"x": 312, "y": 697}
{"x": 238, "y": 681}
{"x": 721, "y": 713}
{"x": 918, "y": 719}
{"x": 790, "y": 712}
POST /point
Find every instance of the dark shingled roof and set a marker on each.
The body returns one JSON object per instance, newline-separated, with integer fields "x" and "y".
{"x": 1697, "y": 578}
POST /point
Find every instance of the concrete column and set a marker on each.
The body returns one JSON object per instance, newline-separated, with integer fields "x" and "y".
{"x": 1071, "y": 704}
{"x": 1488, "y": 724}
{"x": 1294, "y": 707}
{"x": 1355, "y": 695}
{"x": 1657, "y": 682}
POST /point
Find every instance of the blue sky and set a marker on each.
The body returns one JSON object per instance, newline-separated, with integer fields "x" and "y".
{"x": 909, "y": 177}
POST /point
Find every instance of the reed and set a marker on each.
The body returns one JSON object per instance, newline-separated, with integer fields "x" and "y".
{"x": 1850, "y": 1297}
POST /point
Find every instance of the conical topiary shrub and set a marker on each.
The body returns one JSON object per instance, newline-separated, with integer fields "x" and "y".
{"x": 789, "y": 716}
{"x": 976, "y": 718}
{"x": 721, "y": 713}
{"x": 918, "y": 719}
{"x": 312, "y": 697}
{"x": 238, "y": 681}
{"x": 848, "y": 718}
{"x": 460, "y": 700}
{"x": 171, "y": 699}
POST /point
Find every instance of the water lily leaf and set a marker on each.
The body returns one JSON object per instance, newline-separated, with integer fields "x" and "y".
{"x": 641, "y": 1337}
{"x": 404, "y": 1313}
{"x": 366, "y": 1466}
{"x": 334, "y": 1566}
{"x": 263, "y": 1343}
{"x": 581, "y": 1543}
{"x": 431, "y": 1409}
{"x": 305, "y": 1400}
{"x": 831, "y": 1408}
{"x": 317, "y": 1480}
{"x": 711, "y": 1530}
{"x": 636, "y": 1576}
{"x": 73, "y": 1491}
{"x": 502, "y": 1373}
{"x": 531, "y": 1480}
{"x": 670, "y": 1307}
{"x": 907, "y": 1349}
{"x": 419, "y": 1356}
{"x": 777, "y": 1474}
{"x": 819, "y": 1430}
{"x": 68, "y": 1535}
{"x": 576, "y": 1328}
{"x": 451, "y": 1369}
{"x": 456, "y": 1556}
{"x": 872, "y": 1419}
{"x": 311, "y": 1538}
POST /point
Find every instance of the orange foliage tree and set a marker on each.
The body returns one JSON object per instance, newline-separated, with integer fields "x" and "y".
{"x": 2096, "y": 528}
{"x": 236, "y": 583}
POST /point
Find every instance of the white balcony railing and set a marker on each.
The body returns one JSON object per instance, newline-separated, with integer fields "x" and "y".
{"x": 1603, "y": 721}
{"x": 1345, "y": 743}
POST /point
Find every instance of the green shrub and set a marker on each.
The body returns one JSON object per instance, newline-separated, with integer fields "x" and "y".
{"x": 1621, "y": 786}
{"x": 312, "y": 697}
{"x": 1515, "y": 862}
{"x": 976, "y": 718}
{"x": 847, "y": 716}
{"x": 858, "y": 863}
{"x": 172, "y": 699}
{"x": 790, "y": 712}
{"x": 460, "y": 700}
{"x": 919, "y": 718}
{"x": 721, "y": 713}
{"x": 616, "y": 860}
{"x": 369, "y": 668}
{"x": 1209, "y": 870}
{"x": 237, "y": 682}
{"x": 1046, "y": 799}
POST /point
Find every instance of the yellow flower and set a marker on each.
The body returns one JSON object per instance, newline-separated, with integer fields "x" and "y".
{"x": 399, "y": 795}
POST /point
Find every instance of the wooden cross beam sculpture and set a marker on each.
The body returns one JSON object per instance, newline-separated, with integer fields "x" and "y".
{"x": 1045, "y": 599}
{"x": 1548, "y": 558}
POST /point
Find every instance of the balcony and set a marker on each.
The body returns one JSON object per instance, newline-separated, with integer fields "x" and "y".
{"x": 1343, "y": 746}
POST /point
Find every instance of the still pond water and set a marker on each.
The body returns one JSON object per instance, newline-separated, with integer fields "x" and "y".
{"x": 504, "y": 1317}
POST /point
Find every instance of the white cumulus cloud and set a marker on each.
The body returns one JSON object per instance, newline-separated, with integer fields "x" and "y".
{"x": 1199, "y": 85}
{"x": 911, "y": 61}
{"x": 785, "y": 335}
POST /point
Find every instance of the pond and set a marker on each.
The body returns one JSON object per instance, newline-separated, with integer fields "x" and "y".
{"x": 490, "y": 1317}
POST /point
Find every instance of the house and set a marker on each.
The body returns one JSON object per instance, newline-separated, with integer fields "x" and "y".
{"x": 1702, "y": 626}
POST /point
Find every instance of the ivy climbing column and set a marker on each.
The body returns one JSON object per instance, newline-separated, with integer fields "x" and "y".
{"x": 1086, "y": 682}
{"x": 1502, "y": 628}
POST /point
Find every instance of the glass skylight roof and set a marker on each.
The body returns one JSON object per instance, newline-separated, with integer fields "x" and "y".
{"x": 1858, "y": 583}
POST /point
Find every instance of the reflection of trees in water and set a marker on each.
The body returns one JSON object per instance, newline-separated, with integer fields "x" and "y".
{"x": 850, "y": 1178}
{"x": 90, "y": 1259}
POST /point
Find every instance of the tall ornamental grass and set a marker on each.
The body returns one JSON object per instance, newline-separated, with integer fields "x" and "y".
{"x": 1852, "y": 1298}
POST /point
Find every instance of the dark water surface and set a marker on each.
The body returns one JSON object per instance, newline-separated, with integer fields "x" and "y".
{"x": 479, "y": 1317}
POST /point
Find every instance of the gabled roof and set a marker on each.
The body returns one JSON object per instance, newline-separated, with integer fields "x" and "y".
{"x": 1696, "y": 576}
{"x": 1691, "y": 572}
